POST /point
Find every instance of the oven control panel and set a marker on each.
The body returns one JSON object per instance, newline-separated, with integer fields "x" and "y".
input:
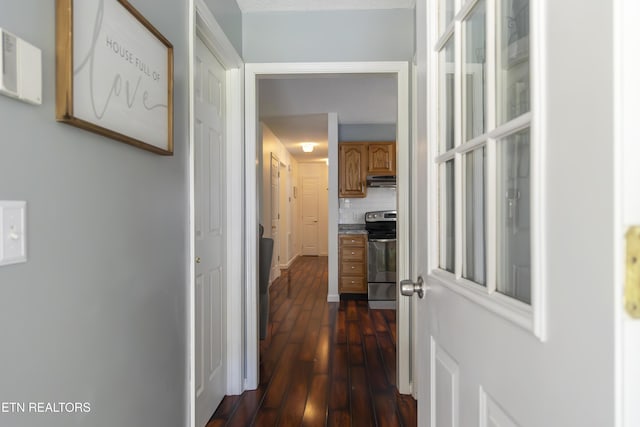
{"x": 379, "y": 216}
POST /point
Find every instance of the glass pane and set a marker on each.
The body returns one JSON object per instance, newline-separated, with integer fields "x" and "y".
{"x": 514, "y": 219}
{"x": 473, "y": 70}
{"x": 474, "y": 263}
{"x": 513, "y": 73}
{"x": 447, "y": 70}
{"x": 447, "y": 11}
{"x": 447, "y": 217}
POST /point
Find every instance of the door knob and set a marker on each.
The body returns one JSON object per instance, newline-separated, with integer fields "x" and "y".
{"x": 197, "y": 260}
{"x": 408, "y": 287}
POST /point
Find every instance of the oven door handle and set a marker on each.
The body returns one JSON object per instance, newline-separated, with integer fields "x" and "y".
{"x": 382, "y": 240}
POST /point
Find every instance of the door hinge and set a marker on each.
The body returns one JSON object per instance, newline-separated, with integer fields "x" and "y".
{"x": 632, "y": 276}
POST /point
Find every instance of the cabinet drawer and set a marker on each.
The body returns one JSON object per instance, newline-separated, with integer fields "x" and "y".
{"x": 353, "y": 263}
{"x": 353, "y": 268}
{"x": 355, "y": 284}
{"x": 354, "y": 253}
{"x": 353, "y": 240}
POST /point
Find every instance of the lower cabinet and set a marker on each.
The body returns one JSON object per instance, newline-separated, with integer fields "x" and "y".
{"x": 353, "y": 263}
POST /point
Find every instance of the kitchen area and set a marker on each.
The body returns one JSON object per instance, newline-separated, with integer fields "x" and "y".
{"x": 367, "y": 214}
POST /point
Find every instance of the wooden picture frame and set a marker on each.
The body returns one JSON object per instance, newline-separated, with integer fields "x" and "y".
{"x": 114, "y": 73}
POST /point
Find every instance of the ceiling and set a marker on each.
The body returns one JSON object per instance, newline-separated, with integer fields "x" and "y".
{"x": 293, "y": 130}
{"x": 295, "y": 108}
{"x": 308, "y": 5}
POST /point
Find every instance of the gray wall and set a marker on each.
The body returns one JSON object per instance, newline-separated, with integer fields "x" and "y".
{"x": 229, "y": 16}
{"x": 367, "y": 132}
{"x": 351, "y": 35}
{"x": 98, "y": 313}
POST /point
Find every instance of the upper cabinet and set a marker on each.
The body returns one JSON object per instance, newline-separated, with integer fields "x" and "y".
{"x": 382, "y": 158}
{"x": 352, "y": 170}
{"x": 359, "y": 159}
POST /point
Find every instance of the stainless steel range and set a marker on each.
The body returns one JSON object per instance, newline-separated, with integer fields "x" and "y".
{"x": 381, "y": 264}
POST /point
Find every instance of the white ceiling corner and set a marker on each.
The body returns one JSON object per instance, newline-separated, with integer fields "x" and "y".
{"x": 310, "y": 5}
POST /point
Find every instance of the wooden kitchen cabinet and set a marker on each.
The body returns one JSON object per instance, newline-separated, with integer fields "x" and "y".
{"x": 352, "y": 249}
{"x": 352, "y": 170}
{"x": 357, "y": 160}
{"x": 382, "y": 158}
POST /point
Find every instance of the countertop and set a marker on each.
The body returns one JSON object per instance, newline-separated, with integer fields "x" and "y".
{"x": 351, "y": 229}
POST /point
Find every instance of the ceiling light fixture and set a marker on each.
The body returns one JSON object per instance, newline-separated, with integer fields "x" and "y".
{"x": 307, "y": 147}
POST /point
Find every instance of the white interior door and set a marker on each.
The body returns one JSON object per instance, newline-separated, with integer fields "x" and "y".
{"x": 275, "y": 216}
{"x": 209, "y": 202}
{"x": 310, "y": 206}
{"x": 285, "y": 215}
{"x": 500, "y": 339}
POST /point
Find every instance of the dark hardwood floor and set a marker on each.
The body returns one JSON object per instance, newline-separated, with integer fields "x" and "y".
{"x": 322, "y": 364}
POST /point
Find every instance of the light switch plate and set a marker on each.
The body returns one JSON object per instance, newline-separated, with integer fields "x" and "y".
{"x": 13, "y": 232}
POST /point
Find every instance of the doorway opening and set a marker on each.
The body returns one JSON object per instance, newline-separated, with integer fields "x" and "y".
{"x": 274, "y": 74}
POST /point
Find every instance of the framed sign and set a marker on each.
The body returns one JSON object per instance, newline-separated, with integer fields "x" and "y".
{"x": 114, "y": 73}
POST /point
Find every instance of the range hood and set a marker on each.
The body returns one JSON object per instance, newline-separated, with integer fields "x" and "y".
{"x": 388, "y": 181}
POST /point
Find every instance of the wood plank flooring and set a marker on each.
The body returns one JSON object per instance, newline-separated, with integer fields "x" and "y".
{"x": 322, "y": 364}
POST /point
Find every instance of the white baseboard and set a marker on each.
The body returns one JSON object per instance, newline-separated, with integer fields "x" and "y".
{"x": 291, "y": 261}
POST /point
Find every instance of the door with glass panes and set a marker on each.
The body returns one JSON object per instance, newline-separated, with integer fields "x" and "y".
{"x": 500, "y": 336}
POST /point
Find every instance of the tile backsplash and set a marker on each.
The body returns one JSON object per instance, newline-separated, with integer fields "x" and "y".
{"x": 352, "y": 211}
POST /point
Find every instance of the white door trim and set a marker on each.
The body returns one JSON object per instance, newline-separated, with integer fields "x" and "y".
{"x": 203, "y": 23}
{"x": 252, "y": 71}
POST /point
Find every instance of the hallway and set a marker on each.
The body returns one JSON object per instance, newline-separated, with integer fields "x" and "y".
{"x": 322, "y": 364}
